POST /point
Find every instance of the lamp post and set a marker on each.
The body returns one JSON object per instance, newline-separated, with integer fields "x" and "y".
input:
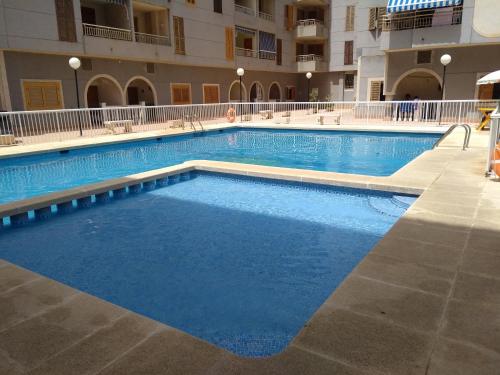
{"x": 241, "y": 72}
{"x": 445, "y": 60}
{"x": 308, "y": 76}
{"x": 75, "y": 64}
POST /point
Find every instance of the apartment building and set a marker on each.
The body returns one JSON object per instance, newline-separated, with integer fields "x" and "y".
{"x": 187, "y": 51}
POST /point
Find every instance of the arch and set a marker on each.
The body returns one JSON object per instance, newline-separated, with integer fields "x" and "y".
{"x": 413, "y": 71}
{"x": 256, "y": 92}
{"x": 111, "y": 92}
{"x": 234, "y": 93}
{"x": 150, "y": 97}
{"x": 275, "y": 92}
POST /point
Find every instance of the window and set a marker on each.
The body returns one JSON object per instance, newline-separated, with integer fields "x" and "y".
{"x": 39, "y": 95}
{"x": 289, "y": 21}
{"x": 229, "y": 44}
{"x": 376, "y": 91}
{"x": 218, "y": 6}
{"x": 349, "y": 18}
{"x": 180, "y": 47}
{"x": 65, "y": 20}
{"x": 279, "y": 51}
{"x": 348, "y": 52}
{"x": 348, "y": 81}
{"x": 181, "y": 93}
{"x": 150, "y": 68}
{"x": 86, "y": 64}
{"x": 191, "y": 2}
{"x": 375, "y": 18}
{"x": 211, "y": 93}
{"x": 424, "y": 57}
{"x": 290, "y": 93}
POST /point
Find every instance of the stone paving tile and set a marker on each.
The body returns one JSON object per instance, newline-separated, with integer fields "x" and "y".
{"x": 96, "y": 351}
{"x": 406, "y": 274}
{"x": 3, "y": 263}
{"x": 475, "y": 323}
{"x": 437, "y": 234}
{"x": 484, "y": 239}
{"x": 294, "y": 361}
{"x": 477, "y": 289}
{"x": 30, "y": 299}
{"x": 425, "y": 217}
{"x": 454, "y": 358}
{"x": 33, "y": 341}
{"x": 167, "y": 352}
{"x": 367, "y": 343}
{"x": 407, "y": 307}
{"x": 423, "y": 253}
{"x": 12, "y": 276}
{"x": 438, "y": 207}
{"x": 481, "y": 263}
{"x": 491, "y": 215}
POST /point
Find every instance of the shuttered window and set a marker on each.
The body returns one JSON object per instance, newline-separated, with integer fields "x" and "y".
{"x": 180, "y": 47}
{"x": 279, "y": 51}
{"x": 375, "y": 91}
{"x": 290, "y": 93}
{"x": 348, "y": 52}
{"x": 424, "y": 57}
{"x": 485, "y": 92}
{"x": 375, "y": 18}
{"x": 229, "y": 43}
{"x": 348, "y": 81}
{"x": 191, "y": 2}
{"x": 65, "y": 20}
{"x": 289, "y": 17}
{"x": 218, "y": 6}
{"x": 211, "y": 94}
{"x": 40, "y": 95}
{"x": 181, "y": 93}
{"x": 349, "y": 18}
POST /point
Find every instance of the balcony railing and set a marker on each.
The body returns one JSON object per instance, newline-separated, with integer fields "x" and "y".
{"x": 309, "y": 22}
{"x": 243, "y": 9}
{"x": 310, "y": 57}
{"x": 267, "y": 55}
{"x": 246, "y": 52}
{"x": 421, "y": 19}
{"x": 152, "y": 39}
{"x": 266, "y": 16}
{"x": 107, "y": 32}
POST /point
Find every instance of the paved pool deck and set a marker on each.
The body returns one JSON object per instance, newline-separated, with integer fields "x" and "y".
{"x": 425, "y": 300}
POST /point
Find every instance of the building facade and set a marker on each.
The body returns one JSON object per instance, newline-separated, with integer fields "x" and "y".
{"x": 187, "y": 51}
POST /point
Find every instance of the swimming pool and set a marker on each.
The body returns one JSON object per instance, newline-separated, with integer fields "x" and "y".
{"x": 224, "y": 258}
{"x": 369, "y": 153}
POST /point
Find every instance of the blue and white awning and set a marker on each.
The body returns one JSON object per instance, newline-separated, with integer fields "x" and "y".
{"x": 405, "y": 5}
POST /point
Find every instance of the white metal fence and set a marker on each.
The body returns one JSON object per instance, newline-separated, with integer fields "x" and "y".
{"x": 29, "y": 127}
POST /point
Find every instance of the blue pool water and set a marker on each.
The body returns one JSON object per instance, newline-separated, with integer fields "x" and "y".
{"x": 377, "y": 154}
{"x": 242, "y": 263}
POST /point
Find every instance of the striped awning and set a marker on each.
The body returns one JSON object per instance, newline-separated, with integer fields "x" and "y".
{"x": 394, "y": 6}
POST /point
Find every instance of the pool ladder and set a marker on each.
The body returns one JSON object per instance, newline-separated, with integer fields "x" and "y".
{"x": 468, "y": 132}
{"x": 192, "y": 119}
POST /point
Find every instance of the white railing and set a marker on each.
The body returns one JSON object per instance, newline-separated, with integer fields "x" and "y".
{"x": 152, "y": 39}
{"x": 422, "y": 18}
{"x": 106, "y": 32}
{"x": 309, "y": 22}
{"x": 266, "y": 16}
{"x": 29, "y": 127}
{"x": 310, "y": 57}
{"x": 244, "y": 9}
{"x": 493, "y": 166}
{"x": 267, "y": 55}
{"x": 246, "y": 52}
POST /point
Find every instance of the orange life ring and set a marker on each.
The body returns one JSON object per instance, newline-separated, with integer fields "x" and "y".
{"x": 496, "y": 166}
{"x": 231, "y": 114}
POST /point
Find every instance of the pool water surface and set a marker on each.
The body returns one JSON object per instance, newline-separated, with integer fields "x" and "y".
{"x": 239, "y": 262}
{"x": 367, "y": 153}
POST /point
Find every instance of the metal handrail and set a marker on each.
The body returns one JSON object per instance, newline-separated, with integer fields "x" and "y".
{"x": 468, "y": 133}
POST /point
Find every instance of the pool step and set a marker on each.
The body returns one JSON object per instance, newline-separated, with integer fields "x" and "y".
{"x": 393, "y": 207}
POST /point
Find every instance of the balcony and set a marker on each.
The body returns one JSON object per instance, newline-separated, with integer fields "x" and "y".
{"x": 244, "y": 9}
{"x": 310, "y": 63}
{"x": 310, "y": 29}
{"x": 422, "y": 19}
{"x": 107, "y": 32}
{"x": 311, "y": 2}
{"x": 152, "y": 39}
{"x": 247, "y": 52}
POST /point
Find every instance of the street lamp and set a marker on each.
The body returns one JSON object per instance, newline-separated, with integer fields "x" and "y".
{"x": 445, "y": 60}
{"x": 241, "y": 72}
{"x": 75, "y": 64}
{"x": 308, "y": 76}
